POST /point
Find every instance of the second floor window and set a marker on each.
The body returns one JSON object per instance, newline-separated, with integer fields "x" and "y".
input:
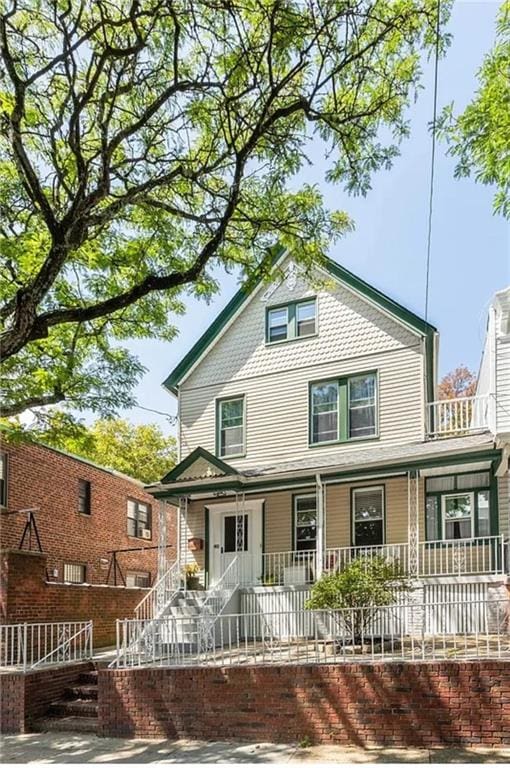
{"x": 292, "y": 321}
{"x": 343, "y": 409}
{"x": 84, "y": 497}
{"x": 139, "y": 519}
{"x": 230, "y": 427}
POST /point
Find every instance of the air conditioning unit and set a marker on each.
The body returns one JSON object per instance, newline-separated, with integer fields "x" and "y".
{"x": 146, "y": 533}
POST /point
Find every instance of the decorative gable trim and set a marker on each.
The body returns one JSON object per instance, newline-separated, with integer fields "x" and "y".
{"x": 342, "y": 275}
{"x": 184, "y": 470}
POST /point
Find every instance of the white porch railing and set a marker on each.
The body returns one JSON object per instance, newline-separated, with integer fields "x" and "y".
{"x": 462, "y": 557}
{"x": 460, "y": 416}
{"x": 281, "y": 568}
{"x": 397, "y": 554}
{"x": 160, "y": 595}
{"x": 29, "y": 646}
{"x": 400, "y": 632}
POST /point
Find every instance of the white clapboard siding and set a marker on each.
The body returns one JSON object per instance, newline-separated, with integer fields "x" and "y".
{"x": 353, "y": 337}
{"x": 503, "y": 384}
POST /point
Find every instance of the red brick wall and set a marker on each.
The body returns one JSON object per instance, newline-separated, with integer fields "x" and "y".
{"x": 48, "y": 480}
{"x": 418, "y": 704}
{"x": 25, "y": 697}
{"x": 25, "y": 596}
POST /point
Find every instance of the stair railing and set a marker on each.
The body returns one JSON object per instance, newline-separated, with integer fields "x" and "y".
{"x": 215, "y": 603}
{"x": 160, "y": 595}
{"x": 77, "y": 646}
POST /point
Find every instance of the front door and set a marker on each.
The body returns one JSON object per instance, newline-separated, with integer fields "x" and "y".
{"x": 236, "y": 534}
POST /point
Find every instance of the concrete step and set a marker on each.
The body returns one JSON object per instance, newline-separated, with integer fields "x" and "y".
{"x": 76, "y": 708}
{"x": 82, "y": 692}
{"x": 76, "y": 724}
{"x": 180, "y": 611}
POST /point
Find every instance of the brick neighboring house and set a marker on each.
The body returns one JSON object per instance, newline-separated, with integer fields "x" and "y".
{"x": 83, "y": 511}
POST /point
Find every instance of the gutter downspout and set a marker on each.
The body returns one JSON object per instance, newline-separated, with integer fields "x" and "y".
{"x": 320, "y": 526}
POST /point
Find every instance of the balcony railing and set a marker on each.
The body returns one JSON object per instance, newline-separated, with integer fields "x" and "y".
{"x": 461, "y": 416}
{"x": 281, "y": 568}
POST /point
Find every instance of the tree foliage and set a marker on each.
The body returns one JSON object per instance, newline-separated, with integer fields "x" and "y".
{"x": 479, "y": 137}
{"x": 142, "y": 143}
{"x": 461, "y": 382}
{"x": 365, "y": 584}
{"x": 140, "y": 451}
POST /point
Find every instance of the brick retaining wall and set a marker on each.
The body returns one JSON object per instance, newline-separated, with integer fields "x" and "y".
{"x": 24, "y": 697}
{"x": 415, "y": 704}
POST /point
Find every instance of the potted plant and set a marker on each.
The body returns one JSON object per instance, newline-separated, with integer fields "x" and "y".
{"x": 191, "y": 571}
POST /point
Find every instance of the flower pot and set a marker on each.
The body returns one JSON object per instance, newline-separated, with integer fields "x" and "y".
{"x": 193, "y": 582}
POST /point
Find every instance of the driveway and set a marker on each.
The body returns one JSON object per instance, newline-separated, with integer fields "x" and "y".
{"x": 78, "y": 748}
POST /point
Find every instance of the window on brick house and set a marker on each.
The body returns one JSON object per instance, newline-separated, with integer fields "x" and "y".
{"x": 84, "y": 497}
{"x": 75, "y": 573}
{"x": 138, "y": 579}
{"x": 139, "y": 519}
{"x": 3, "y": 479}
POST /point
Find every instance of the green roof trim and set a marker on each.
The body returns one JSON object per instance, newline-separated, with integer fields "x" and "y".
{"x": 198, "y": 453}
{"x": 342, "y": 274}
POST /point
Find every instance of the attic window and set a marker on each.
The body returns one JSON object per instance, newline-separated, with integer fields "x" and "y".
{"x": 291, "y": 321}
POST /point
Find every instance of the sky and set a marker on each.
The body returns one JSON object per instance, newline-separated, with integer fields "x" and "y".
{"x": 470, "y": 257}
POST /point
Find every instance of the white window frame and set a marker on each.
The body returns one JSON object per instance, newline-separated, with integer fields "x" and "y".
{"x": 71, "y": 566}
{"x": 136, "y": 518}
{"x": 219, "y": 403}
{"x": 454, "y": 495}
{"x": 296, "y": 498}
{"x": 302, "y": 303}
{"x": 277, "y": 309}
{"x": 321, "y": 384}
{"x": 370, "y": 488}
{"x": 375, "y": 406}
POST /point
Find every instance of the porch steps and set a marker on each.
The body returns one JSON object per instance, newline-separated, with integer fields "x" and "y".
{"x": 76, "y": 710}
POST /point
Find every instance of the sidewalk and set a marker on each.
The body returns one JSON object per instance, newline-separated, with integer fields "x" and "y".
{"x": 77, "y": 748}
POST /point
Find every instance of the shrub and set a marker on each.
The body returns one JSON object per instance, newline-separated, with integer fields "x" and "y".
{"x": 366, "y": 583}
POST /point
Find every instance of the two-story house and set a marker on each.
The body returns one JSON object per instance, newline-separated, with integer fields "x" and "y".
{"x": 309, "y": 434}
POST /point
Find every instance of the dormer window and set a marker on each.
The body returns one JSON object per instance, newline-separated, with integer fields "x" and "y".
{"x": 295, "y": 320}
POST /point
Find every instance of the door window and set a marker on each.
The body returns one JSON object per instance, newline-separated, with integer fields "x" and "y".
{"x": 235, "y": 533}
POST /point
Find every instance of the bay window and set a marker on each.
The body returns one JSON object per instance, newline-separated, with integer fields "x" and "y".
{"x": 457, "y": 506}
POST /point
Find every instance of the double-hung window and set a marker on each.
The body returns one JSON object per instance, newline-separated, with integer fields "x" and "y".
{"x": 84, "y": 497}
{"x": 368, "y": 516}
{"x": 343, "y": 409}
{"x": 457, "y": 506}
{"x": 295, "y": 320}
{"x": 305, "y": 522}
{"x": 139, "y": 521}
{"x": 230, "y": 417}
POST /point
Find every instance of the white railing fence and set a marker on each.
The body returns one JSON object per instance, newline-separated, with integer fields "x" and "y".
{"x": 458, "y": 416}
{"x": 460, "y": 557}
{"x": 29, "y": 646}
{"x": 400, "y": 632}
{"x": 395, "y": 554}
{"x": 160, "y": 595}
{"x": 294, "y": 567}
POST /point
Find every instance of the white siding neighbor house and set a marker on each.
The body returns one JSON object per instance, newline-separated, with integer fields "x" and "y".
{"x": 310, "y": 436}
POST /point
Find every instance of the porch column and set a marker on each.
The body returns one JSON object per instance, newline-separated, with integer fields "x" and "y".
{"x": 321, "y": 537}
{"x": 413, "y": 520}
{"x": 163, "y": 538}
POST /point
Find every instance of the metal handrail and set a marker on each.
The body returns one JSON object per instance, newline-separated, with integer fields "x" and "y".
{"x": 160, "y": 594}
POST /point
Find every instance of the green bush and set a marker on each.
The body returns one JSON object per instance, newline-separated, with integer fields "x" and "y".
{"x": 366, "y": 583}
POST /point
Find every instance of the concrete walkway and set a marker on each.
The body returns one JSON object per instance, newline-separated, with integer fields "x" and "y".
{"x": 77, "y": 748}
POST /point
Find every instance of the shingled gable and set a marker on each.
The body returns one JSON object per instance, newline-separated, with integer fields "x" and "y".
{"x": 339, "y": 273}
{"x": 198, "y": 465}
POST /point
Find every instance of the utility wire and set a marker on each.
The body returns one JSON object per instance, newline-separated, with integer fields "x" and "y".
{"x": 432, "y": 161}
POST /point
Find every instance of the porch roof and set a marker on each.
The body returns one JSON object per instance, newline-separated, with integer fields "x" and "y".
{"x": 377, "y": 458}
